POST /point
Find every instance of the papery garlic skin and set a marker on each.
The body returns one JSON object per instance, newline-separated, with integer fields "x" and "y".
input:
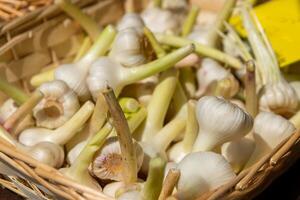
{"x": 269, "y": 130}
{"x": 278, "y": 97}
{"x": 296, "y": 86}
{"x": 202, "y": 172}
{"x": 220, "y": 121}
{"x": 7, "y": 109}
{"x": 106, "y": 70}
{"x": 57, "y": 106}
{"x": 48, "y": 153}
{"x": 160, "y": 21}
{"x": 238, "y": 152}
{"x": 131, "y": 20}
{"x": 200, "y": 35}
{"x": 111, "y": 188}
{"x": 128, "y": 48}
{"x": 211, "y": 71}
{"x": 108, "y": 164}
{"x": 130, "y": 195}
{"x": 75, "y": 151}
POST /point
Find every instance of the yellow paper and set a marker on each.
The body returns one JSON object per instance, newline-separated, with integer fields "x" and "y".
{"x": 281, "y": 22}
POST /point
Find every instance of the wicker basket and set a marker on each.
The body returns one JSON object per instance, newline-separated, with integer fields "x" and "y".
{"x": 39, "y": 31}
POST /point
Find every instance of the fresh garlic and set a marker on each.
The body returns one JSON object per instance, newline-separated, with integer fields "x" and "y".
{"x": 108, "y": 164}
{"x": 215, "y": 129}
{"x": 160, "y": 21}
{"x": 45, "y": 152}
{"x": 60, "y": 135}
{"x": 276, "y": 94}
{"x": 7, "y": 109}
{"x": 179, "y": 150}
{"x": 78, "y": 171}
{"x": 269, "y": 130}
{"x": 104, "y": 71}
{"x": 75, "y": 74}
{"x": 112, "y": 188}
{"x": 211, "y": 71}
{"x": 57, "y": 106}
{"x": 296, "y": 86}
{"x": 238, "y": 152}
{"x": 131, "y": 20}
{"x": 200, "y": 35}
{"x": 128, "y": 48}
{"x": 202, "y": 172}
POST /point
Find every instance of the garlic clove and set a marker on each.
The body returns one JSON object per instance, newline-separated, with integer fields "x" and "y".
{"x": 60, "y": 135}
{"x": 108, "y": 164}
{"x": 131, "y": 20}
{"x": 238, "y": 152}
{"x": 214, "y": 128}
{"x": 7, "y": 109}
{"x": 268, "y": 137}
{"x": 202, "y": 172}
{"x": 57, "y": 106}
{"x": 128, "y": 48}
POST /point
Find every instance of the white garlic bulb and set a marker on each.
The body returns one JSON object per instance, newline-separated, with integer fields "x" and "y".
{"x": 211, "y": 71}
{"x": 160, "y": 20}
{"x": 200, "y": 35}
{"x": 128, "y": 48}
{"x": 238, "y": 152}
{"x": 278, "y": 97}
{"x": 57, "y": 106}
{"x": 7, "y": 109}
{"x": 75, "y": 151}
{"x": 108, "y": 164}
{"x": 105, "y": 71}
{"x": 131, "y": 20}
{"x": 220, "y": 121}
{"x": 296, "y": 86}
{"x": 202, "y": 172}
{"x": 269, "y": 130}
{"x": 111, "y": 188}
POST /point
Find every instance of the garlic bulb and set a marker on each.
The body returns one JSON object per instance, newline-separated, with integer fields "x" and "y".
{"x": 45, "y": 152}
{"x": 78, "y": 171}
{"x": 7, "y": 109}
{"x": 278, "y": 97}
{"x": 128, "y": 48}
{"x": 57, "y": 106}
{"x": 112, "y": 188}
{"x": 179, "y": 150}
{"x": 215, "y": 129}
{"x": 211, "y": 71}
{"x": 238, "y": 152}
{"x": 104, "y": 71}
{"x": 296, "y": 86}
{"x": 60, "y": 135}
{"x": 160, "y": 21}
{"x": 200, "y": 35}
{"x": 269, "y": 130}
{"x": 131, "y": 20}
{"x": 276, "y": 94}
{"x": 108, "y": 164}
{"x": 74, "y": 75}
{"x": 202, "y": 172}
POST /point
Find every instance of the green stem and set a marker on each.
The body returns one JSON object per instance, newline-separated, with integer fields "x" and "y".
{"x": 190, "y": 21}
{"x": 23, "y": 110}
{"x": 87, "y": 23}
{"x": 191, "y": 130}
{"x": 168, "y": 133}
{"x": 223, "y": 16}
{"x": 250, "y": 89}
{"x": 179, "y": 100}
{"x": 136, "y": 119}
{"x": 64, "y": 133}
{"x": 200, "y": 49}
{"x": 129, "y": 105}
{"x": 100, "y": 47}
{"x": 124, "y": 136}
{"x": 159, "y": 51}
{"x": 86, "y": 44}
{"x": 13, "y": 92}
{"x": 86, "y": 156}
{"x": 188, "y": 81}
{"x": 159, "y": 104}
{"x": 140, "y": 72}
{"x": 153, "y": 184}
{"x": 42, "y": 77}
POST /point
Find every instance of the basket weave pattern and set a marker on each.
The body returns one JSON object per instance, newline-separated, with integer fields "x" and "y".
{"x": 29, "y": 178}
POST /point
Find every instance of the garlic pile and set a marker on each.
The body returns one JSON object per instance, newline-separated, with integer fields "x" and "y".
{"x": 170, "y": 102}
